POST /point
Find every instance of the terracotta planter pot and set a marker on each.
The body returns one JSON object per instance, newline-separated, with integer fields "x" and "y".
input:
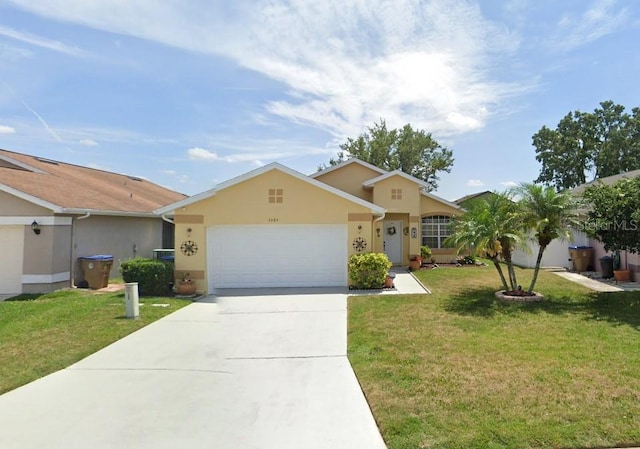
{"x": 621, "y": 275}
{"x": 388, "y": 282}
{"x": 415, "y": 264}
{"x": 186, "y": 288}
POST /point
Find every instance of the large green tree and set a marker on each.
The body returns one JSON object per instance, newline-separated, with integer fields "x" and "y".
{"x": 588, "y": 145}
{"x": 413, "y": 151}
{"x": 614, "y": 214}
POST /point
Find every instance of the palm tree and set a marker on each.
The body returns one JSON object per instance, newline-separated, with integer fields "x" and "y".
{"x": 549, "y": 214}
{"x": 493, "y": 228}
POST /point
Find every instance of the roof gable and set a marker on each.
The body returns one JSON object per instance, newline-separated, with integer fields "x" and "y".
{"x": 387, "y": 175}
{"x": 346, "y": 163}
{"x": 259, "y": 171}
{"x": 442, "y": 200}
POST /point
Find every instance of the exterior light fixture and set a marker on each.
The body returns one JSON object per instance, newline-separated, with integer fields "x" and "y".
{"x": 378, "y": 231}
{"x": 35, "y": 227}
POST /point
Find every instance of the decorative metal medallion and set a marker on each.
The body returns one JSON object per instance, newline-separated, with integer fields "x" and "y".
{"x": 391, "y": 230}
{"x": 359, "y": 244}
{"x": 189, "y": 248}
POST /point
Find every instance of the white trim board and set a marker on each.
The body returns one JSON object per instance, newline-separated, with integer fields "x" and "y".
{"x": 46, "y": 278}
{"x": 42, "y": 221}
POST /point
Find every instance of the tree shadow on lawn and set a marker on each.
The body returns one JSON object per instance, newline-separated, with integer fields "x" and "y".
{"x": 614, "y": 307}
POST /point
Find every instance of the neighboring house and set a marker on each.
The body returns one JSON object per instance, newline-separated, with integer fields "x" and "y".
{"x": 467, "y": 200}
{"x": 555, "y": 255}
{"x": 275, "y": 227}
{"x": 629, "y": 260}
{"x": 79, "y": 212}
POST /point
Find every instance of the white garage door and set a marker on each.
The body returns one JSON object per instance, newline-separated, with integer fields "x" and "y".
{"x": 11, "y": 257}
{"x": 277, "y": 256}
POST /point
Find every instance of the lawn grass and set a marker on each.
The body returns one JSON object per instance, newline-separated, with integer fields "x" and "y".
{"x": 459, "y": 369}
{"x": 41, "y": 334}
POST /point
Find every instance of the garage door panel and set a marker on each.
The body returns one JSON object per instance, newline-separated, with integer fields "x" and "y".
{"x": 277, "y": 256}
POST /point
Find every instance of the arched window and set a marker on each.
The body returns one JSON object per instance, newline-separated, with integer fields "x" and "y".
{"x": 435, "y": 229}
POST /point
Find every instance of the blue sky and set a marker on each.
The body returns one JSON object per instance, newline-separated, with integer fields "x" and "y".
{"x": 190, "y": 93}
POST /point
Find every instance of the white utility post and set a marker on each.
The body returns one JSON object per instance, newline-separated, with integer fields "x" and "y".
{"x": 131, "y": 299}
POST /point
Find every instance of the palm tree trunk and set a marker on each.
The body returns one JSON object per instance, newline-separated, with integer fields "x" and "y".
{"x": 496, "y": 263}
{"x": 537, "y": 268}
{"x": 512, "y": 272}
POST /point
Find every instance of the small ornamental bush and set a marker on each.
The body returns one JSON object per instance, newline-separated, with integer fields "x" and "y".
{"x": 425, "y": 252}
{"x": 368, "y": 270}
{"x": 154, "y": 277}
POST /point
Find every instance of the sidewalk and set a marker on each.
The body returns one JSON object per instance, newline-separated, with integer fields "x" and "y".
{"x": 599, "y": 285}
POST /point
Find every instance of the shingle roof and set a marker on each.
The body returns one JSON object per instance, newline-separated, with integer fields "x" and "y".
{"x": 72, "y": 188}
{"x": 579, "y": 190}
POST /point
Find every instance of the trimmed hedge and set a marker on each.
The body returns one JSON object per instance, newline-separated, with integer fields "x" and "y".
{"x": 368, "y": 270}
{"x": 154, "y": 277}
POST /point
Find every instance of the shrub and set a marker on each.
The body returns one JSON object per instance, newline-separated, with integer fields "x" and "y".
{"x": 154, "y": 277}
{"x": 368, "y": 270}
{"x": 425, "y": 252}
{"x": 466, "y": 260}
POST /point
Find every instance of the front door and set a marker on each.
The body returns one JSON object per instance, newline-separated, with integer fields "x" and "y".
{"x": 393, "y": 241}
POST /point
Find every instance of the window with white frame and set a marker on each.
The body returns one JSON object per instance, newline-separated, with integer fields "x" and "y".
{"x": 435, "y": 229}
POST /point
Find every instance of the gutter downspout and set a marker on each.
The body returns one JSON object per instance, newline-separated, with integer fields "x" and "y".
{"x": 73, "y": 246}
{"x": 168, "y": 220}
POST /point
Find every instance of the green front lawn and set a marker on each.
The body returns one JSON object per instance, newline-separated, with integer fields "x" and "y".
{"x": 458, "y": 369}
{"x": 40, "y": 334}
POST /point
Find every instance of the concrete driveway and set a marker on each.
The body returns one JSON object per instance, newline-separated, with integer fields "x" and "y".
{"x": 240, "y": 371}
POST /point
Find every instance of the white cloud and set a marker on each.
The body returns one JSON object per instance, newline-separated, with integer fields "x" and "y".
{"x": 475, "y": 183}
{"x": 88, "y": 142}
{"x": 599, "y": 20}
{"x": 4, "y": 129}
{"x": 41, "y": 42}
{"x": 509, "y": 184}
{"x": 200, "y": 154}
{"x": 255, "y": 155}
{"x": 346, "y": 64}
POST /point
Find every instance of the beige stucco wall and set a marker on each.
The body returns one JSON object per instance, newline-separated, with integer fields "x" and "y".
{"x": 122, "y": 237}
{"x": 11, "y": 206}
{"x": 410, "y": 202}
{"x": 406, "y": 209}
{"x": 349, "y": 178}
{"x": 247, "y": 203}
{"x": 629, "y": 260}
{"x": 48, "y": 253}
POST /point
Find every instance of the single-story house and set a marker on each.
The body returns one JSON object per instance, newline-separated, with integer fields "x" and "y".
{"x": 557, "y": 253}
{"x": 274, "y": 226}
{"x": 52, "y": 213}
{"x": 628, "y": 260}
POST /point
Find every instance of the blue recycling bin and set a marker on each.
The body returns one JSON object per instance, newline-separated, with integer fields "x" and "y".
{"x": 96, "y": 269}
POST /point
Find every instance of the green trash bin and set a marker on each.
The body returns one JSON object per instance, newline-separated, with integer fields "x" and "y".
{"x": 95, "y": 270}
{"x": 606, "y": 267}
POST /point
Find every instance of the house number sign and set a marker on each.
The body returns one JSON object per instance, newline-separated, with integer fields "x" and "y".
{"x": 189, "y": 248}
